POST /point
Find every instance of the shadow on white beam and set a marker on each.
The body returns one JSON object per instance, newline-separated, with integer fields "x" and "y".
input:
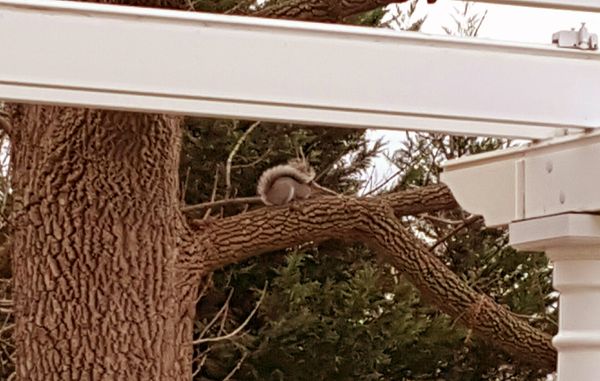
{"x": 573, "y": 5}
{"x": 149, "y": 60}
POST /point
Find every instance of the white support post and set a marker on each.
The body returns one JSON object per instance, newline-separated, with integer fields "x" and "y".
{"x": 572, "y": 242}
{"x": 547, "y": 194}
{"x": 577, "y": 278}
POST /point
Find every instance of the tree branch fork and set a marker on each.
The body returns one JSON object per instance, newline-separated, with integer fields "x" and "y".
{"x": 375, "y": 222}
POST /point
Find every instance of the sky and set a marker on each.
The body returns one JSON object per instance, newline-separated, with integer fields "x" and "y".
{"x": 502, "y": 23}
{"x": 510, "y": 23}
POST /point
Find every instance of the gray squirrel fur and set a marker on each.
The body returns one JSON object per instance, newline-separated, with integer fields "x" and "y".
{"x": 285, "y": 183}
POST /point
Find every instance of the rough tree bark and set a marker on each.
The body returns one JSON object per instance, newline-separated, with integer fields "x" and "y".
{"x": 106, "y": 269}
{"x": 97, "y": 292}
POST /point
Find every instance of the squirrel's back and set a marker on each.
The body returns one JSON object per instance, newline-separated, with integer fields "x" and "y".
{"x": 294, "y": 171}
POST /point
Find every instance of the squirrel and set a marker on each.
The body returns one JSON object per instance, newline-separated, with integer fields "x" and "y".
{"x": 285, "y": 183}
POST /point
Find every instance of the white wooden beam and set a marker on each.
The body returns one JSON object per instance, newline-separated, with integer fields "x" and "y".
{"x": 559, "y": 230}
{"x": 573, "y": 5}
{"x": 140, "y": 59}
{"x": 554, "y": 177}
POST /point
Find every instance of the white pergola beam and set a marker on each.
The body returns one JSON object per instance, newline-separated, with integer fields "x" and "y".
{"x": 559, "y": 230}
{"x": 555, "y": 177}
{"x": 573, "y": 5}
{"x": 152, "y": 60}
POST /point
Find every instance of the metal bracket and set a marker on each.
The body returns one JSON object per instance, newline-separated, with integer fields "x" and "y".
{"x": 577, "y": 39}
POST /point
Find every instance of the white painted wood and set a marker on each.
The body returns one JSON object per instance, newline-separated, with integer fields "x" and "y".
{"x": 565, "y": 180}
{"x": 486, "y": 189}
{"x": 139, "y": 59}
{"x": 547, "y": 233}
{"x": 573, "y": 5}
{"x": 558, "y": 176}
{"x": 578, "y": 338}
{"x": 572, "y": 241}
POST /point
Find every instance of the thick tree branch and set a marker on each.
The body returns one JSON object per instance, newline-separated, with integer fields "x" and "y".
{"x": 374, "y": 221}
{"x": 226, "y": 202}
{"x": 428, "y": 199}
{"x": 234, "y": 239}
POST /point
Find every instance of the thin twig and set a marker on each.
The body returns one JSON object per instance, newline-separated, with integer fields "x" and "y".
{"x": 6, "y": 302}
{"x": 6, "y": 175}
{"x": 7, "y": 328}
{"x": 7, "y": 343}
{"x": 384, "y": 183}
{"x": 207, "y": 283}
{"x": 185, "y": 183}
{"x": 324, "y": 189}
{"x": 232, "y": 154}
{"x": 254, "y": 162}
{"x": 190, "y": 5}
{"x": 231, "y": 201}
{"x": 216, "y": 317}
{"x": 527, "y": 317}
{"x": 202, "y": 361}
{"x": 332, "y": 164}
{"x": 370, "y": 179}
{"x": 213, "y": 195}
{"x": 223, "y": 320}
{"x": 441, "y": 220}
{"x": 236, "y": 368}
{"x": 6, "y": 319}
{"x": 238, "y": 329}
{"x": 4, "y": 124}
{"x": 453, "y": 232}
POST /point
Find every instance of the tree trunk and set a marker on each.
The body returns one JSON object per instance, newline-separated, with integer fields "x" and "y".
{"x": 95, "y": 247}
